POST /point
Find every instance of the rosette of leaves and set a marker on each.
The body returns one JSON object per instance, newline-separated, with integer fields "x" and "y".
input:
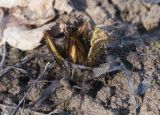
{"x": 80, "y": 46}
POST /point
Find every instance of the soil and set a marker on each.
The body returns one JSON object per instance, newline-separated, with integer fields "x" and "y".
{"x": 74, "y": 91}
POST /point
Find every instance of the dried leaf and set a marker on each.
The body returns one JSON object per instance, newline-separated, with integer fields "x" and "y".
{"x": 19, "y": 36}
{"x": 64, "y": 5}
{"x": 13, "y": 3}
{"x": 35, "y": 13}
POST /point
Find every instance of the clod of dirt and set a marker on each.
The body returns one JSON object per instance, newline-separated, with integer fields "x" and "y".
{"x": 64, "y": 93}
{"x": 150, "y": 105}
{"x": 15, "y": 88}
{"x": 134, "y": 59}
{"x": 35, "y": 92}
{"x": 103, "y": 11}
{"x": 104, "y": 94}
{"x": 138, "y": 13}
{"x": 2, "y": 86}
{"x": 88, "y": 106}
{"x": 98, "y": 15}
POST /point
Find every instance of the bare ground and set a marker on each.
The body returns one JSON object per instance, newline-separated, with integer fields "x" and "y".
{"x": 70, "y": 91}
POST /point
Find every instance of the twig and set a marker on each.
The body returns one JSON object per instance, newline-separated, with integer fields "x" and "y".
{"x": 16, "y": 109}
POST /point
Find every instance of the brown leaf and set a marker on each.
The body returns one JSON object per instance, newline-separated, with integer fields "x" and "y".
{"x": 22, "y": 37}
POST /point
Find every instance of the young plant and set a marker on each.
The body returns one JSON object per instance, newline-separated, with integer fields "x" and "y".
{"x": 80, "y": 46}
